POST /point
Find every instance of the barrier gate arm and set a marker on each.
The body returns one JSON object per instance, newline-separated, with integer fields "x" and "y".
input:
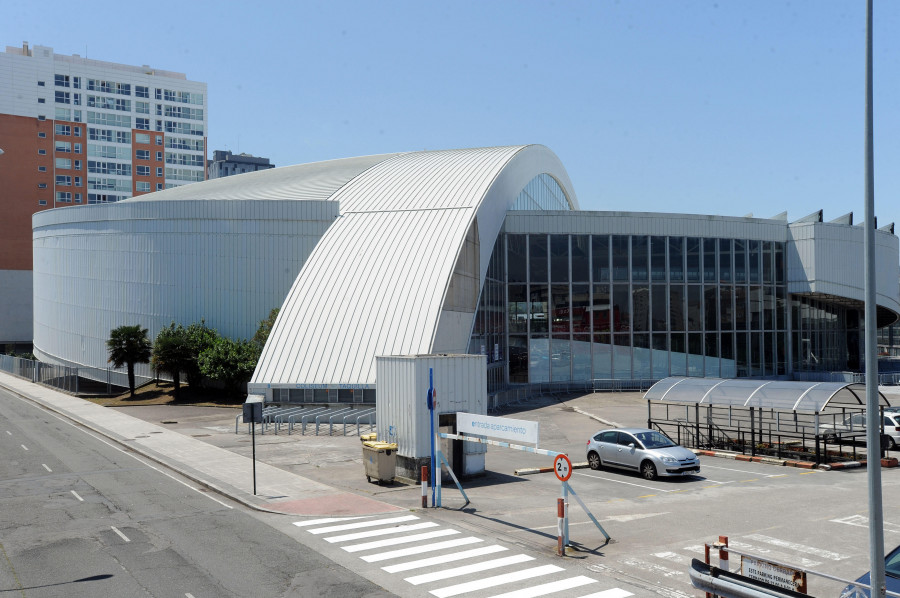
{"x": 452, "y": 475}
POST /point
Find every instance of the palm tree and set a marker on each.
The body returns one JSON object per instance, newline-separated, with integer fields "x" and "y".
{"x": 129, "y": 345}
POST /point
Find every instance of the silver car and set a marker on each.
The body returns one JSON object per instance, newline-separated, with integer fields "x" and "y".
{"x": 639, "y": 449}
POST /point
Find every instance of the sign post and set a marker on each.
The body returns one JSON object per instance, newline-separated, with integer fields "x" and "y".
{"x": 431, "y": 418}
{"x": 253, "y": 416}
{"x": 562, "y": 467}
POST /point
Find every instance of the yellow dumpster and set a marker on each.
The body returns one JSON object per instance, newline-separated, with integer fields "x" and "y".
{"x": 368, "y": 437}
{"x": 380, "y": 459}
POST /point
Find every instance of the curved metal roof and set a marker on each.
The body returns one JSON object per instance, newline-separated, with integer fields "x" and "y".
{"x": 376, "y": 282}
{"x": 315, "y": 181}
{"x": 786, "y": 395}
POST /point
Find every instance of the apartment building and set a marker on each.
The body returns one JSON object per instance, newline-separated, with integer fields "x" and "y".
{"x": 77, "y": 131}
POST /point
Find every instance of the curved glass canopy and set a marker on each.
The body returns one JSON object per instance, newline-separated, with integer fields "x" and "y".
{"x": 785, "y": 395}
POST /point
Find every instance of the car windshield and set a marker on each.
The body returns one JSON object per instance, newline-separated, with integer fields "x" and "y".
{"x": 653, "y": 440}
{"x": 892, "y": 563}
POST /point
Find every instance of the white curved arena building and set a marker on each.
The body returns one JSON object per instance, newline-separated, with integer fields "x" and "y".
{"x": 460, "y": 251}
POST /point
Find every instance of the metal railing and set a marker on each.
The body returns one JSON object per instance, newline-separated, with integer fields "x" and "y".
{"x": 57, "y": 376}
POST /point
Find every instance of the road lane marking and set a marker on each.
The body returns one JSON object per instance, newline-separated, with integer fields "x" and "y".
{"x": 596, "y": 477}
{"x": 743, "y": 471}
{"x": 401, "y": 540}
{"x": 8, "y": 432}
{"x": 750, "y": 480}
{"x": 188, "y": 595}
{"x": 648, "y": 566}
{"x": 552, "y": 587}
{"x": 497, "y": 580}
{"x": 121, "y": 535}
{"x": 401, "y": 552}
{"x": 47, "y": 468}
{"x": 349, "y": 526}
{"x": 380, "y": 532}
{"x": 807, "y": 472}
{"x": 75, "y": 494}
{"x": 446, "y": 558}
{"x": 468, "y": 569}
{"x": 646, "y": 496}
{"x": 328, "y": 520}
{"x": 674, "y": 557}
{"x": 774, "y": 554}
{"x": 834, "y": 556}
{"x": 863, "y": 521}
{"x": 613, "y": 593}
{"x": 24, "y": 447}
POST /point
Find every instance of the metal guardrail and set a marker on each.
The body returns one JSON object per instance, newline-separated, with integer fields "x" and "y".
{"x": 57, "y": 376}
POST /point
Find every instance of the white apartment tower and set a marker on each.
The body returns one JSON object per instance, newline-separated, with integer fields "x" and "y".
{"x": 77, "y": 131}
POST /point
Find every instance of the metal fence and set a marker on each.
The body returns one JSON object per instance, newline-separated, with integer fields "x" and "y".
{"x": 58, "y": 376}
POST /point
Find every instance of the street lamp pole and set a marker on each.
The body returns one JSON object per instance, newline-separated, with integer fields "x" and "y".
{"x": 873, "y": 415}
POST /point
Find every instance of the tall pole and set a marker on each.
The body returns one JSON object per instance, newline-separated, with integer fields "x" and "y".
{"x": 873, "y": 415}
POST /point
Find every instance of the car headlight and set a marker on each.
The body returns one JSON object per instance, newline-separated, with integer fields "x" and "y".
{"x": 669, "y": 460}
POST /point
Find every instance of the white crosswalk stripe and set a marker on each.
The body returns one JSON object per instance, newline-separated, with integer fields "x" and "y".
{"x": 445, "y": 554}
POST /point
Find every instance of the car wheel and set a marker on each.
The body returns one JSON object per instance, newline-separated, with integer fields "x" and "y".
{"x": 648, "y": 470}
{"x": 594, "y": 460}
{"x": 888, "y": 443}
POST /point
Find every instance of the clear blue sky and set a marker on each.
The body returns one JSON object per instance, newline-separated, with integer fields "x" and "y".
{"x": 707, "y": 107}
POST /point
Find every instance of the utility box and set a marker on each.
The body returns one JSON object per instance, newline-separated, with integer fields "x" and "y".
{"x": 460, "y": 383}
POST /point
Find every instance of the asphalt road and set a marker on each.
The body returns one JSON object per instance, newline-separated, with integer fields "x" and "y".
{"x": 80, "y": 516}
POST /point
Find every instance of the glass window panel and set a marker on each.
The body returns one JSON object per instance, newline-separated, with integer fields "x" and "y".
{"x": 694, "y": 307}
{"x": 658, "y": 259}
{"x": 753, "y": 260}
{"x": 581, "y": 312}
{"x": 660, "y": 355}
{"x": 768, "y": 353}
{"x": 538, "y": 308}
{"x": 621, "y": 307}
{"x": 676, "y": 259}
{"x": 620, "y": 257}
{"x": 756, "y": 308}
{"x": 695, "y": 354}
{"x": 726, "y": 310}
{"x": 676, "y": 307}
{"x": 600, "y": 310}
{"x": 740, "y": 307}
{"x": 768, "y": 251}
{"x": 712, "y": 355}
{"x": 780, "y": 309}
{"x": 538, "y": 360}
{"x": 559, "y": 258}
{"x": 581, "y": 357}
{"x": 710, "y": 300}
{"x": 641, "y": 356}
{"x": 600, "y": 258}
{"x": 678, "y": 355}
{"x": 779, "y": 263}
{"x": 580, "y": 258}
{"x": 561, "y": 310}
{"x": 727, "y": 356}
{"x": 518, "y": 359}
{"x": 709, "y": 260}
{"x": 516, "y": 259}
{"x": 659, "y": 295}
{"x": 639, "y": 258}
{"x": 769, "y": 307}
{"x": 537, "y": 257}
{"x": 517, "y": 308}
{"x": 693, "y": 259}
{"x": 755, "y": 363}
{"x": 740, "y": 260}
{"x": 795, "y": 351}
{"x": 602, "y": 355}
{"x": 622, "y": 356}
{"x": 560, "y": 360}
{"x": 725, "y": 260}
{"x": 740, "y": 354}
{"x": 640, "y": 300}
{"x": 781, "y": 353}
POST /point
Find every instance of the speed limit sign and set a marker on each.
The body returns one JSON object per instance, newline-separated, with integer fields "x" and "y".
{"x": 562, "y": 467}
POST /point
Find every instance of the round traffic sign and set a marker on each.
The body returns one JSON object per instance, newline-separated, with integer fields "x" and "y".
{"x": 562, "y": 467}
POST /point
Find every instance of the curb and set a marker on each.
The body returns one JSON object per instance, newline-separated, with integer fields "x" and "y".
{"x": 596, "y": 418}
{"x": 748, "y": 458}
{"x": 534, "y": 470}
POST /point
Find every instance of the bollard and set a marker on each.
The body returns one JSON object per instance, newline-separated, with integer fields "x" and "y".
{"x": 424, "y": 486}
{"x": 706, "y": 560}
{"x": 560, "y": 514}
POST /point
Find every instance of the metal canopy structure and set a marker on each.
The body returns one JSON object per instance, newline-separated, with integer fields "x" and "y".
{"x": 784, "y": 395}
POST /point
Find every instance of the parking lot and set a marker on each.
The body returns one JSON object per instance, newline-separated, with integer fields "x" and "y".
{"x": 810, "y": 518}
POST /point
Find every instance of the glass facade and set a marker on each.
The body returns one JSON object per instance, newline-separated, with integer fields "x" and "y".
{"x": 581, "y": 307}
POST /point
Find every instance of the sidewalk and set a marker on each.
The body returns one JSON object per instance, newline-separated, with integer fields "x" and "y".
{"x": 227, "y": 473}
